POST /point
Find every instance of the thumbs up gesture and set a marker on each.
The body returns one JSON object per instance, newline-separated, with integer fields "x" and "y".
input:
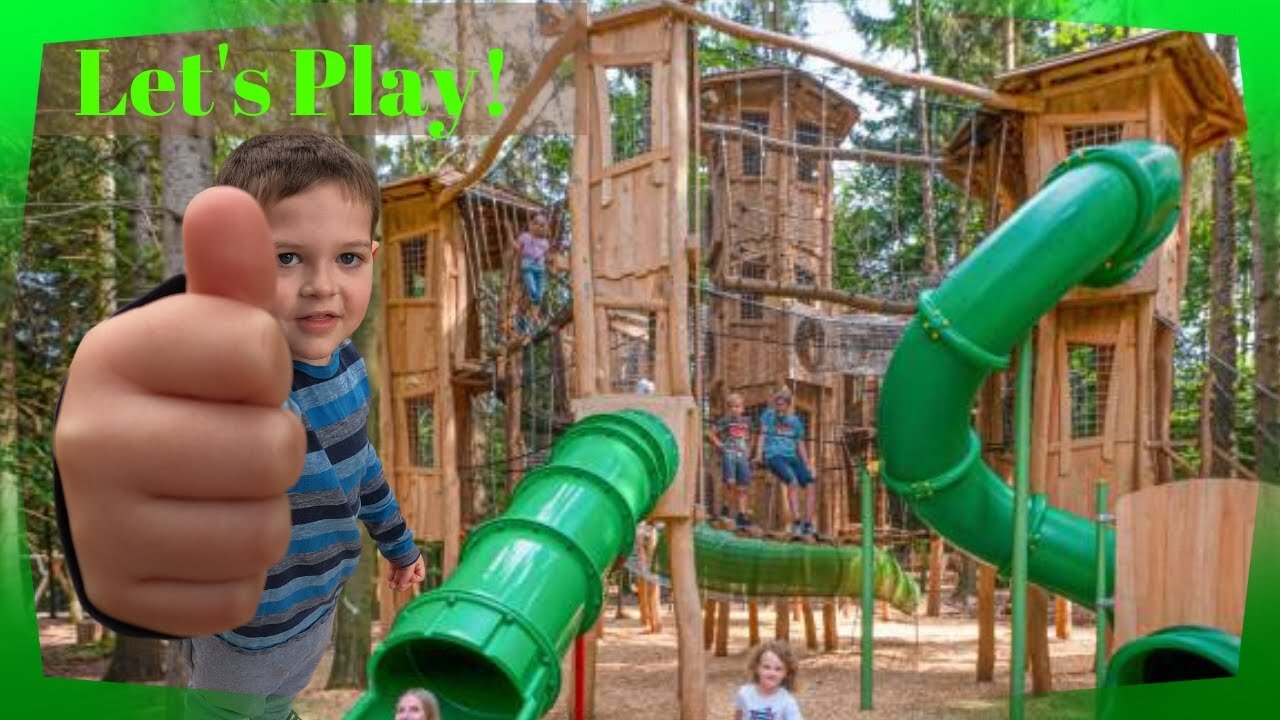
{"x": 172, "y": 446}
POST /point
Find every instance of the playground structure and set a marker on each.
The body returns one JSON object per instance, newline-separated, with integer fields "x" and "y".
{"x": 1102, "y": 360}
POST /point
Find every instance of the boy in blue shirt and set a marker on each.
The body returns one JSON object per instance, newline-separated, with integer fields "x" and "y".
{"x": 211, "y": 450}
{"x": 780, "y": 446}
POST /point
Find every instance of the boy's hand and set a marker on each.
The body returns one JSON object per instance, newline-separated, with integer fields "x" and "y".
{"x": 403, "y": 577}
{"x": 173, "y": 448}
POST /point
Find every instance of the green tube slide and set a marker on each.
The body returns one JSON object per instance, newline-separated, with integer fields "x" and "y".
{"x": 488, "y": 643}
{"x": 1098, "y": 215}
{"x": 738, "y": 566}
{"x": 1100, "y": 212}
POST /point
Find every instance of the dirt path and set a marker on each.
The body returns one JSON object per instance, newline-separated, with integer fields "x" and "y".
{"x": 924, "y": 670}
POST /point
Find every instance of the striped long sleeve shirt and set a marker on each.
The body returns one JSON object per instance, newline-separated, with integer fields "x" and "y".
{"x": 342, "y": 482}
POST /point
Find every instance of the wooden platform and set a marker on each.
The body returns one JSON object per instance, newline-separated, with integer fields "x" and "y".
{"x": 1182, "y": 556}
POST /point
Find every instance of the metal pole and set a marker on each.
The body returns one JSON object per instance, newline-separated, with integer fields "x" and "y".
{"x": 868, "y": 584}
{"x": 1021, "y": 483}
{"x": 1103, "y": 603}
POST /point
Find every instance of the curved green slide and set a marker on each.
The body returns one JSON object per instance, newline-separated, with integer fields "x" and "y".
{"x": 488, "y": 642}
{"x": 1095, "y": 220}
{"x": 751, "y": 567}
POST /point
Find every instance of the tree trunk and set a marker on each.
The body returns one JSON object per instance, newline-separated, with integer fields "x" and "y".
{"x": 1266, "y": 349}
{"x": 136, "y": 660}
{"x": 1222, "y": 273}
{"x": 188, "y": 169}
{"x": 352, "y": 632}
{"x": 931, "y": 265}
{"x": 352, "y": 635}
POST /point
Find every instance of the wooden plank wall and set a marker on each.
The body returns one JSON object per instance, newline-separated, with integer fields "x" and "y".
{"x": 1182, "y": 556}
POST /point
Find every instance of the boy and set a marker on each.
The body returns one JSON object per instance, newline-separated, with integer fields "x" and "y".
{"x": 173, "y": 452}
{"x": 731, "y": 435}
{"x": 781, "y": 448}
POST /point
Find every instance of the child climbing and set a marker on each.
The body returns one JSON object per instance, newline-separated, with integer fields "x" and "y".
{"x": 417, "y": 704}
{"x": 534, "y": 245}
{"x": 773, "y": 678}
{"x": 780, "y": 447}
{"x": 731, "y": 435}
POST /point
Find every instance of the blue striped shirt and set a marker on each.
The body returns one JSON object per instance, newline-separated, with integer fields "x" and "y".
{"x": 342, "y": 481}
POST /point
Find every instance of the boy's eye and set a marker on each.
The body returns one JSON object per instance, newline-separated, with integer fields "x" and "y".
{"x": 288, "y": 259}
{"x": 350, "y": 259}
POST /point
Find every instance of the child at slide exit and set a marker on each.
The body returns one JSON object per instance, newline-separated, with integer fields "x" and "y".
{"x": 417, "y": 704}
{"x": 211, "y": 456}
{"x": 731, "y": 435}
{"x": 768, "y": 696}
{"x": 780, "y": 447}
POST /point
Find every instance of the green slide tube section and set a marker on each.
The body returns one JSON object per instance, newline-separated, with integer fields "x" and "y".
{"x": 738, "y": 566}
{"x": 1098, "y": 215}
{"x": 1175, "y": 654}
{"x": 488, "y": 642}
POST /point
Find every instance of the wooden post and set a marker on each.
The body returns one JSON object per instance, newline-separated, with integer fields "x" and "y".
{"x": 1062, "y": 617}
{"x": 753, "y": 624}
{"x": 830, "y": 631}
{"x": 934, "y": 604}
{"x": 708, "y": 623}
{"x": 986, "y": 623}
{"x": 1038, "y": 640}
{"x": 722, "y": 628}
{"x": 782, "y": 629}
{"x": 655, "y": 607}
{"x": 1206, "y": 426}
{"x": 884, "y": 610}
{"x": 684, "y": 581}
{"x": 810, "y": 627}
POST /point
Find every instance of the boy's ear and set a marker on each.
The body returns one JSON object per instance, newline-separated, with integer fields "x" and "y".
{"x": 374, "y": 254}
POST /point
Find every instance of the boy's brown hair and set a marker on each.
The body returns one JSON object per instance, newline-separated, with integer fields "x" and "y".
{"x": 277, "y": 165}
{"x": 783, "y": 651}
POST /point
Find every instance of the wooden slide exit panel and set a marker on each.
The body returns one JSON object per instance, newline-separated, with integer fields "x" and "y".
{"x": 1182, "y": 556}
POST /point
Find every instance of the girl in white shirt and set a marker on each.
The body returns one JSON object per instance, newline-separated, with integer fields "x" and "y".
{"x": 768, "y": 696}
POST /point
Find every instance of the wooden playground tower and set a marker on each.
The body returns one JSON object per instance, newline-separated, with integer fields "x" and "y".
{"x": 770, "y": 220}
{"x": 1104, "y": 365}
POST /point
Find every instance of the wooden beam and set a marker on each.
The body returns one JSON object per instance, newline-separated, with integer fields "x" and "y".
{"x": 722, "y": 629}
{"x": 568, "y": 43}
{"x": 947, "y": 86}
{"x": 826, "y": 152}
{"x": 753, "y": 624}
{"x": 810, "y": 627}
{"x": 986, "y": 623}
{"x": 804, "y": 292}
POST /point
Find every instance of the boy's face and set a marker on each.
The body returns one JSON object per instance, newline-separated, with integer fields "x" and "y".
{"x": 735, "y": 406}
{"x": 324, "y": 256}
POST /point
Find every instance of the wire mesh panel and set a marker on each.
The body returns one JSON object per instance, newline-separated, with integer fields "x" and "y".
{"x": 1089, "y": 375}
{"x": 1078, "y": 136}
{"x": 413, "y": 268}
{"x": 421, "y": 425}
{"x": 630, "y": 110}
{"x": 753, "y": 148}
{"x": 632, "y": 351}
{"x": 806, "y": 164}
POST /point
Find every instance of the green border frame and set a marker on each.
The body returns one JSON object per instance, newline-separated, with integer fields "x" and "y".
{"x": 28, "y": 693}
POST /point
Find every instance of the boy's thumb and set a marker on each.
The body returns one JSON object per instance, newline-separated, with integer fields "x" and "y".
{"x": 227, "y": 247}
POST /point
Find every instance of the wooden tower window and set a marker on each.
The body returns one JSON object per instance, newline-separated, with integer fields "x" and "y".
{"x": 630, "y": 110}
{"x": 413, "y": 268}
{"x": 804, "y": 274}
{"x": 751, "y": 306}
{"x": 420, "y": 419}
{"x": 753, "y": 150}
{"x": 1089, "y": 376}
{"x": 1078, "y": 136}
{"x": 807, "y": 165}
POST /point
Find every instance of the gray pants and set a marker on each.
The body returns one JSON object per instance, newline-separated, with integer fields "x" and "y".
{"x": 233, "y": 684}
